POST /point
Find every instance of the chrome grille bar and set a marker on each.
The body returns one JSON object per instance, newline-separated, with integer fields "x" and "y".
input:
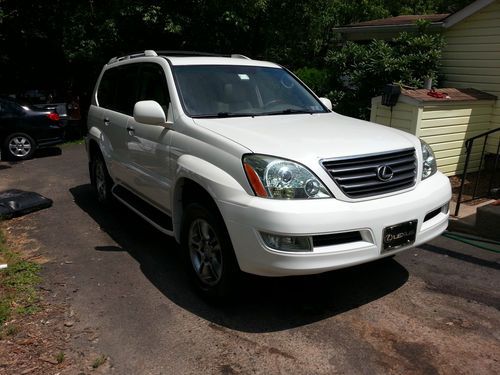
{"x": 358, "y": 177}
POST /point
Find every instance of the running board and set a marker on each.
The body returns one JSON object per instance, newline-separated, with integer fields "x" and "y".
{"x": 148, "y": 212}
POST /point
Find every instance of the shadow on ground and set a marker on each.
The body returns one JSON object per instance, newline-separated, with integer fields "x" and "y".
{"x": 40, "y": 153}
{"x": 265, "y": 304}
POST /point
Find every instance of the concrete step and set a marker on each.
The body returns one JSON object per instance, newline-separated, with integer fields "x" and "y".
{"x": 488, "y": 221}
{"x": 484, "y": 223}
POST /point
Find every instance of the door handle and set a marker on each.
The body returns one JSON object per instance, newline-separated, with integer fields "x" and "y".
{"x": 130, "y": 130}
{"x": 106, "y": 121}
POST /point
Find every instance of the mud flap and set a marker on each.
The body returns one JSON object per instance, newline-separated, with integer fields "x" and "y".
{"x": 15, "y": 203}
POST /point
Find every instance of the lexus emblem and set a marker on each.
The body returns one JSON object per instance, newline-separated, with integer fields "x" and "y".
{"x": 384, "y": 173}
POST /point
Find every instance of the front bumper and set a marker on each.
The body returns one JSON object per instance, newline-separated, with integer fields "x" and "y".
{"x": 246, "y": 218}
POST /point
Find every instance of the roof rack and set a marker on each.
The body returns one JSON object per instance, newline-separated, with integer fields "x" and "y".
{"x": 146, "y": 53}
{"x": 151, "y": 53}
{"x": 188, "y": 53}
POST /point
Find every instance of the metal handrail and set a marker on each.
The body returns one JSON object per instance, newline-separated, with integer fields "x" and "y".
{"x": 469, "y": 143}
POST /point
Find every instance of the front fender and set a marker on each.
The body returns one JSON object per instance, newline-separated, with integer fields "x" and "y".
{"x": 217, "y": 182}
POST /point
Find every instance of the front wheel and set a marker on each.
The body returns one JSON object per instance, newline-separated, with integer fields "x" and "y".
{"x": 19, "y": 146}
{"x": 209, "y": 253}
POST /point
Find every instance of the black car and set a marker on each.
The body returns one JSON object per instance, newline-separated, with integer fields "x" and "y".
{"x": 23, "y": 129}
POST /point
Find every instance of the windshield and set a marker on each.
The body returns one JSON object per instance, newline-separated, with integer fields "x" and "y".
{"x": 231, "y": 91}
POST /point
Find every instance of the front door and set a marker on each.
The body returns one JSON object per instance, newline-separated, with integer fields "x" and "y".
{"x": 148, "y": 145}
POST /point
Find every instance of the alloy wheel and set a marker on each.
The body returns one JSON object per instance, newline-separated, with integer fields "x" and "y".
{"x": 100, "y": 180}
{"x": 20, "y": 146}
{"x": 205, "y": 252}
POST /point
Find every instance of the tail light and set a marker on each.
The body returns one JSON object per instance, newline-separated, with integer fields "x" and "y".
{"x": 53, "y": 116}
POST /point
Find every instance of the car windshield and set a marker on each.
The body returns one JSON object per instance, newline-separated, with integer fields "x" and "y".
{"x": 231, "y": 91}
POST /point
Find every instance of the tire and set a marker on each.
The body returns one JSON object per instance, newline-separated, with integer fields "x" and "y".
{"x": 100, "y": 179}
{"x": 208, "y": 253}
{"x": 19, "y": 146}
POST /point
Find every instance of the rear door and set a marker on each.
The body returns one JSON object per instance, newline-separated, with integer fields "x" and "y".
{"x": 116, "y": 98}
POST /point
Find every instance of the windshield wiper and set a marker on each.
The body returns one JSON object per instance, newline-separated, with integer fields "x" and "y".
{"x": 227, "y": 114}
{"x": 288, "y": 111}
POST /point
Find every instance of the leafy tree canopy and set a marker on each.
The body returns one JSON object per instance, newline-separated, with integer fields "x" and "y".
{"x": 64, "y": 43}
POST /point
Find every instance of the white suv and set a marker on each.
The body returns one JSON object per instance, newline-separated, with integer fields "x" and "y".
{"x": 250, "y": 171}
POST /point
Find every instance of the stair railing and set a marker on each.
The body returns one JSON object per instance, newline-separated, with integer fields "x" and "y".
{"x": 469, "y": 143}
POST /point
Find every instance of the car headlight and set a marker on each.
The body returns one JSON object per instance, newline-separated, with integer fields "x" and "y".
{"x": 429, "y": 166}
{"x": 272, "y": 177}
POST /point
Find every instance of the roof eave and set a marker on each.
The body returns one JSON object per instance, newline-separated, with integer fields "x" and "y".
{"x": 469, "y": 10}
{"x": 385, "y": 28}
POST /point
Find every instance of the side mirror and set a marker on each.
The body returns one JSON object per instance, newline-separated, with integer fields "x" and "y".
{"x": 149, "y": 112}
{"x": 326, "y": 102}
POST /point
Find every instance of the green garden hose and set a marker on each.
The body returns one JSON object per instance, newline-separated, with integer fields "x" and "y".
{"x": 473, "y": 241}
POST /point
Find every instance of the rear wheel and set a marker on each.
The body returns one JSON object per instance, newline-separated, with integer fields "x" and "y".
{"x": 101, "y": 181}
{"x": 209, "y": 253}
{"x": 19, "y": 146}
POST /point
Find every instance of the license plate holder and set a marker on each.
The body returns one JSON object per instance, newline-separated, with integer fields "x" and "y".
{"x": 399, "y": 235}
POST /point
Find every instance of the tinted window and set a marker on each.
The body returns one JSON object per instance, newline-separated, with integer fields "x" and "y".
{"x": 153, "y": 85}
{"x": 123, "y": 86}
{"x": 118, "y": 88}
{"x": 106, "y": 91}
{"x": 126, "y": 89}
{"x": 9, "y": 108}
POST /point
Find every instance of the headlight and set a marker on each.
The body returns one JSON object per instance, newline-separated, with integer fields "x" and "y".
{"x": 271, "y": 177}
{"x": 429, "y": 166}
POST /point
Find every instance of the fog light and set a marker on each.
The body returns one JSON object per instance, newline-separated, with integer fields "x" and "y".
{"x": 287, "y": 243}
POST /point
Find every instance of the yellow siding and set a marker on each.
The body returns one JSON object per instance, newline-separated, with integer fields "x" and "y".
{"x": 471, "y": 58}
{"x": 446, "y": 127}
{"x": 402, "y": 116}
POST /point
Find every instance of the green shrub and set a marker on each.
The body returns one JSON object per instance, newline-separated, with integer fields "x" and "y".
{"x": 362, "y": 70}
{"x": 318, "y": 80}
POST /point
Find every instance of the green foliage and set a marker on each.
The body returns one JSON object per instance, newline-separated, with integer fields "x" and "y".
{"x": 99, "y": 361}
{"x": 318, "y": 80}
{"x": 63, "y": 44}
{"x": 362, "y": 70}
{"x": 60, "y": 357}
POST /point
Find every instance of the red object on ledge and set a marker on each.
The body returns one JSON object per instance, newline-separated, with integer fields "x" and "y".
{"x": 438, "y": 94}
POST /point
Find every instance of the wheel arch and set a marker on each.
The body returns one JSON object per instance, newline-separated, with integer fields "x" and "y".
{"x": 188, "y": 191}
{"x": 200, "y": 181}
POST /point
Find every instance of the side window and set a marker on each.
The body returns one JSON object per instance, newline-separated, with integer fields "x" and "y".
{"x": 126, "y": 89}
{"x": 153, "y": 85}
{"x": 9, "y": 108}
{"x": 118, "y": 89}
{"x": 107, "y": 89}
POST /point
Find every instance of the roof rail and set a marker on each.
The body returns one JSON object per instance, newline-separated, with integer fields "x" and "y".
{"x": 188, "y": 53}
{"x": 151, "y": 53}
{"x": 146, "y": 53}
{"x": 196, "y": 53}
{"x": 239, "y": 56}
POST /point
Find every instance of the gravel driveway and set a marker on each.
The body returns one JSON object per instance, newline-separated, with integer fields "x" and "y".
{"x": 430, "y": 310}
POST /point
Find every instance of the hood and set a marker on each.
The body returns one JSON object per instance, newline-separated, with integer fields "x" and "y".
{"x": 303, "y": 137}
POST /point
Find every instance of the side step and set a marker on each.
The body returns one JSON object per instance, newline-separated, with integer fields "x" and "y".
{"x": 148, "y": 212}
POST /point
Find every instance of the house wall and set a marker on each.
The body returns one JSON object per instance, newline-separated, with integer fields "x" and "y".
{"x": 445, "y": 126}
{"x": 403, "y": 116}
{"x": 471, "y": 58}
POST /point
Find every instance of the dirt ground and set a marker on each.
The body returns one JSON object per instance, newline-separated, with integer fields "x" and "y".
{"x": 114, "y": 288}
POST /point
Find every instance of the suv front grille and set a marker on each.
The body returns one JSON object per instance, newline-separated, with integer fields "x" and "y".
{"x": 358, "y": 177}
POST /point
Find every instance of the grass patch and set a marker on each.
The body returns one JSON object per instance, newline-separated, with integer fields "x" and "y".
{"x": 79, "y": 141}
{"x": 99, "y": 361}
{"x": 60, "y": 357}
{"x": 18, "y": 293}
